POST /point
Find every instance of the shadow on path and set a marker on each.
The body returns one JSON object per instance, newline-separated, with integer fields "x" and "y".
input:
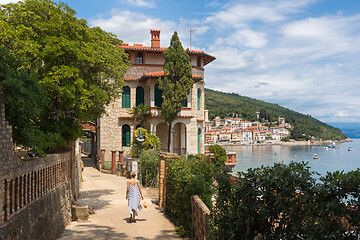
{"x": 165, "y": 234}
{"x": 92, "y": 198}
{"x": 91, "y": 231}
{"x": 88, "y": 161}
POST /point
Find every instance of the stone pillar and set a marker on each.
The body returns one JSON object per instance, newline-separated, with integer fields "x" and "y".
{"x": 102, "y": 158}
{"x": 162, "y": 176}
{"x": 121, "y": 156}
{"x": 113, "y": 162}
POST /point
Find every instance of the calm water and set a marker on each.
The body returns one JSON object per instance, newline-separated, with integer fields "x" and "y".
{"x": 329, "y": 160}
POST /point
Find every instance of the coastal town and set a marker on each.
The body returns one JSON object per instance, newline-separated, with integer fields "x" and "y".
{"x": 238, "y": 131}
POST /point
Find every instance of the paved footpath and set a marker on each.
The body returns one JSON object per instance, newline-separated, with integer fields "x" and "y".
{"x": 106, "y": 194}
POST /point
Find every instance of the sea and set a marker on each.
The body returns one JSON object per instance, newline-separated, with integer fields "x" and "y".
{"x": 329, "y": 160}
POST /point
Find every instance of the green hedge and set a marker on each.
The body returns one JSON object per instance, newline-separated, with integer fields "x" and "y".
{"x": 186, "y": 177}
{"x": 150, "y": 168}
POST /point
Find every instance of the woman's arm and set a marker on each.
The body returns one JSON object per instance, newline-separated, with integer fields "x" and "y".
{"x": 140, "y": 190}
{"x": 127, "y": 189}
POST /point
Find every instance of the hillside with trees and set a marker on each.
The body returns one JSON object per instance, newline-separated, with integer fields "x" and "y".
{"x": 305, "y": 127}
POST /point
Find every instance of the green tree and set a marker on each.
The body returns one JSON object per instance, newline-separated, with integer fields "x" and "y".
{"x": 73, "y": 64}
{"x": 176, "y": 83}
{"x": 141, "y": 112}
{"x": 24, "y": 100}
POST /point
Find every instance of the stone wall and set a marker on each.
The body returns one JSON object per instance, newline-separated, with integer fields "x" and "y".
{"x": 35, "y": 194}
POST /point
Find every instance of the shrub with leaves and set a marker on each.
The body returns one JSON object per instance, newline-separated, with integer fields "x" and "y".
{"x": 150, "y": 168}
{"x": 287, "y": 202}
{"x": 150, "y": 142}
{"x": 187, "y": 177}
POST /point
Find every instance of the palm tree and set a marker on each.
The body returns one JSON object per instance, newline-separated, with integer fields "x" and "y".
{"x": 140, "y": 112}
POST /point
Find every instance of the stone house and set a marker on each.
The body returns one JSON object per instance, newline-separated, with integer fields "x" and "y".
{"x": 115, "y": 130}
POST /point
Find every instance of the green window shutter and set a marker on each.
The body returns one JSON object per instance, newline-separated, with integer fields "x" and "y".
{"x": 126, "y": 97}
{"x": 139, "y": 95}
{"x": 158, "y": 96}
{"x": 199, "y": 138}
{"x": 184, "y": 104}
{"x": 126, "y": 135}
{"x": 198, "y": 99}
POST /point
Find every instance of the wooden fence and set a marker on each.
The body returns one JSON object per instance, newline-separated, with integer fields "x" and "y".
{"x": 200, "y": 216}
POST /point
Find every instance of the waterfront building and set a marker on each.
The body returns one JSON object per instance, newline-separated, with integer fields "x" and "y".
{"x": 245, "y": 124}
{"x": 236, "y": 137}
{"x": 247, "y": 136}
{"x": 115, "y": 130}
{"x": 224, "y": 136}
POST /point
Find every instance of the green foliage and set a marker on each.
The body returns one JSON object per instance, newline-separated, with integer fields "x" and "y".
{"x": 150, "y": 168}
{"x": 186, "y": 177}
{"x": 305, "y": 127}
{"x": 219, "y": 155}
{"x": 24, "y": 100}
{"x": 284, "y": 201}
{"x": 107, "y": 166}
{"x": 70, "y": 62}
{"x": 150, "y": 142}
{"x": 141, "y": 112}
{"x": 177, "y": 80}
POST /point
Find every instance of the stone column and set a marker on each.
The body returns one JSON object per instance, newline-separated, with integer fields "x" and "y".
{"x": 113, "y": 162}
{"x": 102, "y": 158}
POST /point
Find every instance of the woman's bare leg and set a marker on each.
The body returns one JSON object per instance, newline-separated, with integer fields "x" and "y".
{"x": 133, "y": 219}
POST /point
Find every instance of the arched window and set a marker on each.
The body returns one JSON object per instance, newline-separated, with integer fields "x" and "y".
{"x": 198, "y": 98}
{"x": 158, "y": 96}
{"x": 184, "y": 104}
{"x": 199, "y": 139}
{"x": 139, "y": 58}
{"x": 126, "y": 135}
{"x": 139, "y": 95}
{"x": 126, "y": 97}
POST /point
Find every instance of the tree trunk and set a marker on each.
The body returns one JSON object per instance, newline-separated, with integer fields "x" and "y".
{"x": 169, "y": 138}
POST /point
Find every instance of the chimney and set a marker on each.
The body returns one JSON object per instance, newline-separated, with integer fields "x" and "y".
{"x": 155, "y": 38}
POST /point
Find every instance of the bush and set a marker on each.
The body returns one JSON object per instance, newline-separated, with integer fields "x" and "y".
{"x": 107, "y": 166}
{"x": 187, "y": 177}
{"x": 284, "y": 201}
{"x": 150, "y": 168}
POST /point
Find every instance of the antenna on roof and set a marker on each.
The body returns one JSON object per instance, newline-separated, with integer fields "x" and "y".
{"x": 191, "y": 30}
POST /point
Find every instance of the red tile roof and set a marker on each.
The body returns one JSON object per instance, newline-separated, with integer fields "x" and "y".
{"x": 88, "y": 126}
{"x": 161, "y": 73}
{"x": 138, "y": 47}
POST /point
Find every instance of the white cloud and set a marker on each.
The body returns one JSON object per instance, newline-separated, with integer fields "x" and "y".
{"x": 9, "y": 1}
{"x": 273, "y": 54}
{"x": 140, "y": 3}
{"x": 134, "y": 27}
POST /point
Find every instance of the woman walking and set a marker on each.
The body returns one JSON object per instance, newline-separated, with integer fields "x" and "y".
{"x": 133, "y": 194}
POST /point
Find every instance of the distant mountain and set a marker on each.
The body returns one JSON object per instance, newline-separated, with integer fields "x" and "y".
{"x": 305, "y": 127}
{"x": 352, "y": 130}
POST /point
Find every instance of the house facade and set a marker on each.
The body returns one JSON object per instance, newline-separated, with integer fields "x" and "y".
{"x": 116, "y": 129}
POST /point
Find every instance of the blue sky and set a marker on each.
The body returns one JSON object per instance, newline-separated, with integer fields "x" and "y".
{"x": 300, "y": 54}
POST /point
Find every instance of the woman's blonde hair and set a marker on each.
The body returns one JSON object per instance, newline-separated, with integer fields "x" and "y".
{"x": 133, "y": 174}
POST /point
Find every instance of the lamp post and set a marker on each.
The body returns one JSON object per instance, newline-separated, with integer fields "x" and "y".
{"x": 140, "y": 138}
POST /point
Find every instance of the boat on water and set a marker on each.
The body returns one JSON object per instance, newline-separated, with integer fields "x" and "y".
{"x": 350, "y": 149}
{"x": 315, "y": 156}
